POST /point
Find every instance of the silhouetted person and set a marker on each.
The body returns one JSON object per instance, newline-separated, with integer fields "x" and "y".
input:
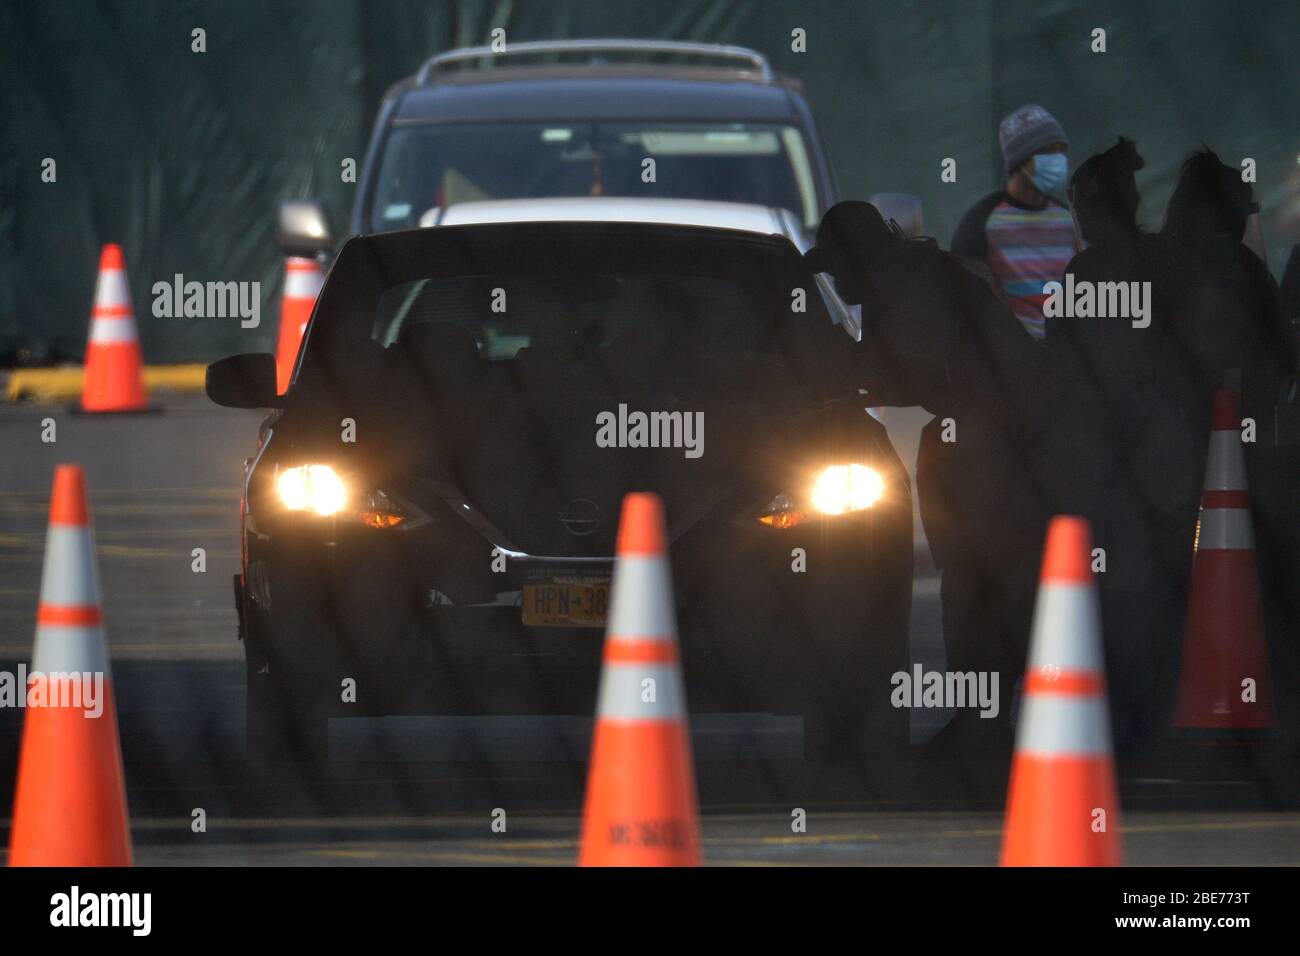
{"x": 1207, "y": 214}
{"x": 1021, "y": 232}
{"x": 1243, "y": 314}
{"x": 936, "y": 335}
{"x": 1131, "y": 437}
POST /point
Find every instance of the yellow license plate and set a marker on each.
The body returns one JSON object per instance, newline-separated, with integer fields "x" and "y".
{"x": 566, "y": 604}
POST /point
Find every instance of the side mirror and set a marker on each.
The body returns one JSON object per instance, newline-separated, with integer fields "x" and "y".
{"x": 904, "y": 209}
{"x": 243, "y": 381}
{"x": 304, "y": 228}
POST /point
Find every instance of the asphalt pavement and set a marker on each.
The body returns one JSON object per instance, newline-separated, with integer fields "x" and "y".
{"x": 166, "y": 483}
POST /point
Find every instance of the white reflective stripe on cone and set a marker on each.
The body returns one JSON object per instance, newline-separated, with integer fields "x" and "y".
{"x": 1225, "y": 467}
{"x": 1059, "y": 725}
{"x": 112, "y": 288}
{"x": 111, "y": 329}
{"x": 70, "y": 648}
{"x": 623, "y": 692}
{"x": 302, "y": 282}
{"x": 641, "y": 603}
{"x": 1066, "y": 622}
{"x": 69, "y": 575}
{"x": 1225, "y": 529}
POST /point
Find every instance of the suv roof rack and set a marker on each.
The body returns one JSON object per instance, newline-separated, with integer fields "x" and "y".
{"x": 591, "y": 48}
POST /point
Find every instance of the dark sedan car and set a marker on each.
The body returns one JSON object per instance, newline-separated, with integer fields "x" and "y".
{"x": 429, "y": 522}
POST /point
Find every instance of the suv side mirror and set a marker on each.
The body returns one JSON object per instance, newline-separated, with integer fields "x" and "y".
{"x": 904, "y": 209}
{"x": 304, "y": 228}
{"x": 243, "y": 381}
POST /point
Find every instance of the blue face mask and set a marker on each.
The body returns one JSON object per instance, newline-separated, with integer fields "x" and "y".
{"x": 1050, "y": 170}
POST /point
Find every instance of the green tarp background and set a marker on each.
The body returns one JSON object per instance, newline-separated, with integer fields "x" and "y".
{"x": 182, "y": 157}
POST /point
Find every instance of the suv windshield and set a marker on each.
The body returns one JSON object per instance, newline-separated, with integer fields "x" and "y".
{"x": 430, "y": 166}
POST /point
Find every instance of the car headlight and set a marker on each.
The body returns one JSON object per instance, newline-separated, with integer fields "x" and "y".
{"x": 835, "y": 490}
{"x": 840, "y": 489}
{"x": 315, "y": 488}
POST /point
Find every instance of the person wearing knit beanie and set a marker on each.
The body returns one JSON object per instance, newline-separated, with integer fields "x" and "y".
{"x": 1021, "y": 232}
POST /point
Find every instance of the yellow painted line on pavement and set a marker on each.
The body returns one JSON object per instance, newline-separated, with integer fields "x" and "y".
{"x": 165, "y": 653}
{"x": 210, "y": 491}
{"x": 444, "y": 856}
{"x": 37, "y": 546}
{"x": 101, "y": 534}
{"x": 44, "y": 384}
{"x": 348, "y": 854}
{"x": 99, "y": 509}
{"x": 176, "y": 378}
{"x": 62, "y": 384}
{"x": 1206, "y": 827}
{"x": 802, "y": 839}
{"x": 133, "y": 551}
{"x": 872, "y": 837}
{"x": 380, "y": 823}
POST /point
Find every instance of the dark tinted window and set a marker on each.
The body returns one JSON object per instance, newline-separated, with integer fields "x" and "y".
{"x": 505, "y": 314}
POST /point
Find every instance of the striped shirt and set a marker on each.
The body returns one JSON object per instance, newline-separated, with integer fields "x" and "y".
{"x": 1024, "y": 248}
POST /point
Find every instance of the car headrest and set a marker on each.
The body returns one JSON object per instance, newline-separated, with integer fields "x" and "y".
{"x": 439, "y": 345}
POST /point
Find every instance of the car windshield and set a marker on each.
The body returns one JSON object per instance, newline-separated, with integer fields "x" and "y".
{"x": 571, "y": 307}
{"x": 430, "y": 166}
{"x": 606, "y": 320}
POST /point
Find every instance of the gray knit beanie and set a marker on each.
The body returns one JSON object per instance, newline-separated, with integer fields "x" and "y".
{"x": 1025, "y": 131}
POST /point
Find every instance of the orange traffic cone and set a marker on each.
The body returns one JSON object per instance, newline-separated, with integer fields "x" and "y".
{"x": 114, "y": 380}
{"x": 1225, "y": 676}
{"x": 70, "y": 805}
{"x": 1062, "y": 809}
{"x": 302, "y": 282}
{"x": 641, "y": 807}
